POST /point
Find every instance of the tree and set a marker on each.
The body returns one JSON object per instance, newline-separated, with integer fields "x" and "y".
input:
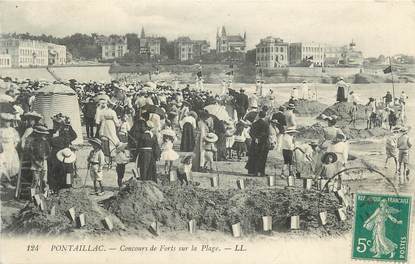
{"x": 251, "y": 56}
{"x": 133, "y": 42}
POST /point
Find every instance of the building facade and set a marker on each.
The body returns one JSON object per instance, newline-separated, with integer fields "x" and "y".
{"x": 303, "y": 53}
{"x": 113, "y": 47}
{"x": 149, "y": 45}
{"x": 5, "y": 61}
{"x": 229, "y": 43}
{"x": 272, "y": 53}
{"x": 57, "y": 54}
{"x": 200, "y": 48}
{"x": 183, "y": 48}
{"x": 343, "y": 56}
{"x": 25, "y": 53}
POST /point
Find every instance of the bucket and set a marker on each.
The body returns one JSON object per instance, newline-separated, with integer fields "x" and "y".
{"x": 192, "y": 226}
{"x": 236, "y": 230}
{"x": 323, "y": 217}
{"x": 81, "y": 219}
{"x": 214, "y": 181}
{"x": 240, "y": 184}
{"x": 267, "y": 223}
{"x": 37, "y": 199}
{"x": 307, "y": 184}
{"x": 53, "y": 211}
{"x": 290, "y": 181}
{"x": 68, "y": 179}
{"x": 71, "y": 212}
{"x": 42, "y": 205}
{"x": 341, "y": 212}
{"x": 108, "y": 223}
{"x": 173, "y": 176}
{"x": 32, "y": 192}
{"x": 295, "y": 222}
{"x": 271, "y": 180}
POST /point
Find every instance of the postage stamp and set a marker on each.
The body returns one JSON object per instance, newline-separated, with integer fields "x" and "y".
{"x": 381, "y": 227}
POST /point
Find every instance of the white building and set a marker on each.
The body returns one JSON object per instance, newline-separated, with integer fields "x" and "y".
{"x": 25, "y": 53}
{"x": 184, "y": 49}
{"x": 302, "y": 52}
{"x": 272, "y": 53}
{"x": 5, "y": 61}
{"x": 113, "y": 47}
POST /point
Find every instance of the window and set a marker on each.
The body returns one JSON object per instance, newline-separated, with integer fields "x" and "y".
{"x": 281, "y": 49}
{"x": 282, "y": 57}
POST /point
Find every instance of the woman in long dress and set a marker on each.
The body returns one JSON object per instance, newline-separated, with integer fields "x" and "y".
{"x": 108, "y": 123}
{"x": 381, "y": 245}
{"x": 9, "y": 138}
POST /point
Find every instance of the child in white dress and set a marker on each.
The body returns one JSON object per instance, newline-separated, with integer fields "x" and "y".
{"x": 168, "y": 154}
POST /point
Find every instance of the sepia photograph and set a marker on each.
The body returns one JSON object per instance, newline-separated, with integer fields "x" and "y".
{"x": 240, "y": 131}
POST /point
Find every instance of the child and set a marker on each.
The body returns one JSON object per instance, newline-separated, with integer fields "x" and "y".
{"x": 184, "y": 170}
{"x": 404, "y": 145}
{"x": 168, "y": 154}
{"x": 353, "y": 114}
{"x": 329, "y": 168}
{"x": 392, "y": 118}
{"x": 229, "y": 138}
{"x": 210, "y": 149}
{"x": 287, "y": 146}
{"x": 124, "y": 128}
{"x": 68, "y": 158}
{"x": 391, "y": 148}
{"x": 239, "y": 145}
{"x": 96, "y": 161}
{"x": 39, "y": 150}
{"x": 122, "y": 157}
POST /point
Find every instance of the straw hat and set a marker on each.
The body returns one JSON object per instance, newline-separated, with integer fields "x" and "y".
{"x": 404, "y": 130}
{"x": 66, "y": 156}
{"x": 339, "y": 137}
{"x": 211, "y": 137}
{"x": 326, "y": 155}
{"x": 291, "y": 130}
{"x": 168, "y": 132}
{"x": 95, "y": 141}
{"x": 192, "y": 113}
{"x": 291, "y": 106}
{"x": 41, "y": 130}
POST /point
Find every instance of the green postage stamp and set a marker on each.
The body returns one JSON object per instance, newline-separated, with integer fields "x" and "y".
{"x": 381, "y": 227}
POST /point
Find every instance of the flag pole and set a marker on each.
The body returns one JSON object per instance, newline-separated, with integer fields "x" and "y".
{"x": 393, "y": 85}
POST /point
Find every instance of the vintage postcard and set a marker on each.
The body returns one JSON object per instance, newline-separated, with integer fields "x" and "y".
{"x": 207, "y": 131}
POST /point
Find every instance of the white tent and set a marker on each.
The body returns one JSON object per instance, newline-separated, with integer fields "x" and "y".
{"x": 59, "y": 98}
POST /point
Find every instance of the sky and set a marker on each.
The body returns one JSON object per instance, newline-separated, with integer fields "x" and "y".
{"x": 378, "y": 27}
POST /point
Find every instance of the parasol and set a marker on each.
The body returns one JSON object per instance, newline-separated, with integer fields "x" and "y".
{"x": 154, "y": 109}
{"x": 219, "y": 111}
{"x": 251, "y": 116}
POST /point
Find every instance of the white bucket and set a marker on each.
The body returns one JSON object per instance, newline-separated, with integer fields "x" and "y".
{"x": 323, "y": 218}
{"x": 37, "y": 199}
{"x": 155, "y": 227}
{"x": 42, "y": 205}
{"x": 271, "y": 180}
{"x": 68, "y": 180}
{"x": 192, "y": 226}
{"x": 214, "y": 181}
{"x": 81, "y": 220}
{"x": 322, "y": 184}
{"x": 108, "y": 223}
{"x": 342, "y": 214}
{"x": 290, "y": 181}
{"x": 307, "y": 184}
{"x": 240, "y": 184}
{"x": 173, "y": 176}
{"x": 295, "y": 222}
{"x": 267, "y": 223}
{"x": 32, "y": 192}
{"x": 72, "y": 213}
{"x": 236, "y": 229}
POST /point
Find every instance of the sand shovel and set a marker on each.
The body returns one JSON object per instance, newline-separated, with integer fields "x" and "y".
{"x": 154, "y": 228}
{"x": 290, "y": 181}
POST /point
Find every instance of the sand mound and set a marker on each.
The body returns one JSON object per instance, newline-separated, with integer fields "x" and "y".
{"x": 308, "y": 107}
{"x": 342, "y": 111}
{"x": 32, "y": 220}
{"x": 173, "y": 206}
{"x": 315, "y": 131}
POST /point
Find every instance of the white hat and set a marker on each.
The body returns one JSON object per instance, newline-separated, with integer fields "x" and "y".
{"x": 211, "y": 137}
{"x": 66, "y": 156}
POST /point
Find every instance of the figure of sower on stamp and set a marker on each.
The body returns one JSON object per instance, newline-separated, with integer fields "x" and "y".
{"x": 381, "y": 245}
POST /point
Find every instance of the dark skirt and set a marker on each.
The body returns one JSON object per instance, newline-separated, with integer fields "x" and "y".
{"x": 147, "y": 165}
{"x": 221, "y": 146}
{"x": 240, "y": 147}
{"x": 341, "y": 96}
{"x": 188, "y": 138}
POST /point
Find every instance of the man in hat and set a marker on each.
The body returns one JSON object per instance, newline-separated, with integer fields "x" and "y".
{"x": 388, "y": 98}
{"x": 258, "y": 151}
{"x": 391, "y": 147}
{"x": 280, "y": 117}
{"x": 253, "y": 101}
{"x": 242, "y": 104}
{"x": 89, "y": 110}
{"x": 341, "y": 94}
{"x": 404, "y": 145}
{"x": 294, "y": 93}
{"x": 288, "y": 146}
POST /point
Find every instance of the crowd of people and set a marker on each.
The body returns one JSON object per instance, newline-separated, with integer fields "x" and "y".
{"x": 142, "y": 123}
